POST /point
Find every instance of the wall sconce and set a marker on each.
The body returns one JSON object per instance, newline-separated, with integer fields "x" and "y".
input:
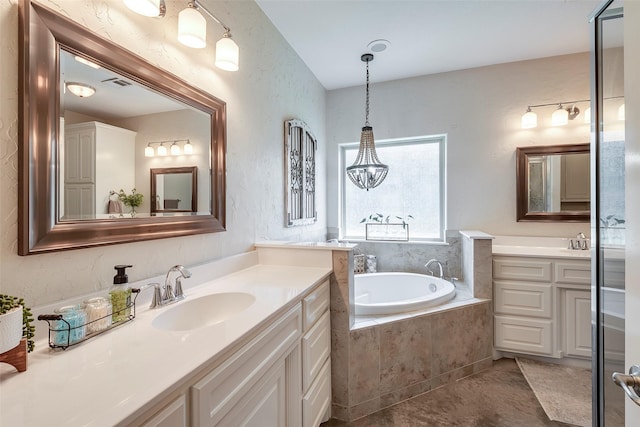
{"x": 80, "y": 90}
{"x": 151, "y": 8}
{"x": 175, "y": 149}
{"x": 192, "y": 29}
{"x": 560, "y": 116}
{"x": 192, "y": 32}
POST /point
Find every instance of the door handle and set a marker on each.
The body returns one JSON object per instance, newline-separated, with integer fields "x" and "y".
{"x": 629, "y": 383}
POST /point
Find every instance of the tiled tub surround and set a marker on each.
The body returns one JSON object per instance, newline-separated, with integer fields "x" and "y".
{"x": 377, "y": 362}
{"x": 115, "y": 378}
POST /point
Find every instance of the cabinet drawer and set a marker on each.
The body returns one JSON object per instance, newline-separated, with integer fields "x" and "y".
{"x": 523, "y": 299}
{"x": 173, "y": 415}
{"x": 573, "y": 272}
{"x": 218, "y": 392}
{"x": 318, "y": 399}
{"x": 520, "y": 269}
{"x": 525, "y": 335}
{"x": 315, "y": 304}
{"x": 316, "y": 348}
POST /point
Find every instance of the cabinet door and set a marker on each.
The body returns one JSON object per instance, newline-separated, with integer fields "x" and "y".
{"x": 173, "y": 415}
{"x": 577, "y": 333}
{"x": 80, "y": 156}
{"x": 79, "y": 201}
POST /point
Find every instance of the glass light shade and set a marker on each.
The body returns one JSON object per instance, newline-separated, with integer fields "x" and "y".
{"x": 529, "y": 120}
{"x": 148, "y": 151}
{"x": 192, "y": 28}
{"x": 227, "y": 53}
{"x": 587, "y": 115}
{"x": 621, "y": 112}
{"x": 144, "y": 7}
{"x": 175, "y": 149}
{"x": 162, "y": 150}
{"x": 560, "y": 117}
{"x": 188, "y": 148}
{"x": 80, "y": 89}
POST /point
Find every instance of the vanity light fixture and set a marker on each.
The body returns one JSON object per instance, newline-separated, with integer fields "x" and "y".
{"x": 587, "y": 115}
{"x": 80, "y": 90}
{"x": 192, "y": 32}
{"x": 151, "y": 8}
{"x": 367, "y": 171}
{"x": 560, "y": 117}
{"x": 162, "y": 150}
{"x": 174, "y": 150}
{"x": 621, "y": 112}
{"x": 529, "y": 119}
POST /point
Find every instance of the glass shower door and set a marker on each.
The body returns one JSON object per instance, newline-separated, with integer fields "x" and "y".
{"x": 608, "y": 214}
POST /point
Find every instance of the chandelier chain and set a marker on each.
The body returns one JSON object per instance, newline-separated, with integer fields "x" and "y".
{"x": 366, "y": 120}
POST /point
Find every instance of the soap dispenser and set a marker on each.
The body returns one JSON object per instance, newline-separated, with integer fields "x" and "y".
{"x": 120, "y": 294}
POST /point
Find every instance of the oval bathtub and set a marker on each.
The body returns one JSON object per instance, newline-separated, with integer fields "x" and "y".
{"x": 388, "y": 293}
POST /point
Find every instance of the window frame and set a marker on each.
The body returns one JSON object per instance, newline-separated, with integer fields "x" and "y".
{"x": 440, "y": 139}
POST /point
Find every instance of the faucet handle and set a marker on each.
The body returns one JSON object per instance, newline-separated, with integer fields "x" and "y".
{"x": 179, "y": 294}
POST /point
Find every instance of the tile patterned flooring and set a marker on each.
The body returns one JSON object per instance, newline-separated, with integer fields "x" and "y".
{"x": 496, "y": 397}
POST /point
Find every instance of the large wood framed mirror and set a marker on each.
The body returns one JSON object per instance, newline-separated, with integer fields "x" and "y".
{"x": 64, "y": 179}
{"x": 553, "y": 183}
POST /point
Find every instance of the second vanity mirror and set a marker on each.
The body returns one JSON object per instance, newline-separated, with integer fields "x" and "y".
{"x": 77, "y": 150}
{"x": 553, "y": 183}
{"x": 174, "y": 190}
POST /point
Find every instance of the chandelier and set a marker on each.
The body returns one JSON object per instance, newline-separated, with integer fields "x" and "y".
{"x": 367, "y": 171}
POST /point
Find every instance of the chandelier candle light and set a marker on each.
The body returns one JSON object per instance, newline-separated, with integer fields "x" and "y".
{"x": 367, "y": 171}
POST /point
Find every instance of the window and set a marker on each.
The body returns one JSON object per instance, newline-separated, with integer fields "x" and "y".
{"x": 414, "y": 186}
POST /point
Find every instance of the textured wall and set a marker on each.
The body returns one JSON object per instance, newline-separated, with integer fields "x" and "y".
{"x": 479, "y": 110}
{"x": 272, "y": 85}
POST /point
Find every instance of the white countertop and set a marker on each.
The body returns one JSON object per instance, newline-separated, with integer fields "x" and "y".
{"x": 116, "y": 375}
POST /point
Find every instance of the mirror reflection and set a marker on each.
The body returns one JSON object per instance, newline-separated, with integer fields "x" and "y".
{"x": 174, "y": 190}
{"x": 108, "y": 120}
{"x": 553, "y": 183}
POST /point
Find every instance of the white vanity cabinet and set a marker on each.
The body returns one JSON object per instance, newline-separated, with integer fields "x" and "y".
{"x": 259, "y": 385}
{"x": 542, "y": 306}
{"x": 316, "y": 357}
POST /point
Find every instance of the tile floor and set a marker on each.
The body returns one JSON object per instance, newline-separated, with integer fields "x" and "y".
{"x": 496, "y": 397}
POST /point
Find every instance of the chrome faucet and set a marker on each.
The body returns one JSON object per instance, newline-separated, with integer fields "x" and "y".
{"x": 438, "y": 264}
{"x": 580, "y": 243}
{"x": 171, "y": 293}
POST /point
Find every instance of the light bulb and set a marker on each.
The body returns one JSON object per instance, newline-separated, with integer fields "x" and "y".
{"x": 529, "y": 119}
{"x": 192, "y": 28}
{"x": 162, "y": 150}
{"x": 175, "y": 149}
{"x": 144, "y": 7}
{"x": 227, "y": 53}
{"x": 560, "y": 117}
{"x": 621, "y": 113}
{"x": 148, "y": 151}
{"x": 188, "y": 148}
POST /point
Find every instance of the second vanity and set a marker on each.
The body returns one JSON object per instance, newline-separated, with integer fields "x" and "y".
{"x": 268, "y": 364}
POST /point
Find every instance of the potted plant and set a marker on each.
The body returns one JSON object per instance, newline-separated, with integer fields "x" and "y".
{"x": 132, "y": 200}
{"x": 381, "y": 227}
{"x": 15, "y": 323}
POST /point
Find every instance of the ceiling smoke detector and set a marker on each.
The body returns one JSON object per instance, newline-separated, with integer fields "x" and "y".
{"x": 379, "y": 45}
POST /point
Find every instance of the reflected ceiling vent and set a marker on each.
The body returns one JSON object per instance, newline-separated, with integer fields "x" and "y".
{"x": 117, "y": 81}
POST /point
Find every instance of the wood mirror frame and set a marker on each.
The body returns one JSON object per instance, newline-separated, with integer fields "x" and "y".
{"x": 42, "y": 34}
{"x": 193, "y": 170}
{"x": 522, "y": 184}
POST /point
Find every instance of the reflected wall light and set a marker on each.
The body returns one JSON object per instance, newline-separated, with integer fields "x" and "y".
{"x": 151, "y": 8}
{"x": 174, "y": 150}
{"x": 621, "y": 112}
{"x": 192, "y": 32}
{"x": 560, "y": 117}
{"x": 80, "y": 90}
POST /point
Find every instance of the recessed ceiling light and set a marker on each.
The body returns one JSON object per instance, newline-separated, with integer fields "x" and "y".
{"x": 379, "y": 45}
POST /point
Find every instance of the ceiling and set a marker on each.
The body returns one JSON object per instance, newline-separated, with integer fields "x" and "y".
{"x": 426, "y": 36}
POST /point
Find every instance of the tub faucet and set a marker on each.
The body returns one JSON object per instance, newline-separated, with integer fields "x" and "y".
{"x": 171, "y": 293}
{"x": 438, "y": 264}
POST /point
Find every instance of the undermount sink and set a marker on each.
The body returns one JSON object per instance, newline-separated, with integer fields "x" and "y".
{"x": 203, "y": 311}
